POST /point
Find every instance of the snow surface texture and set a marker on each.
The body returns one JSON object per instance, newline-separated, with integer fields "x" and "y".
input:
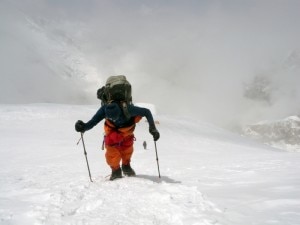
{"x": 209, "y": 176}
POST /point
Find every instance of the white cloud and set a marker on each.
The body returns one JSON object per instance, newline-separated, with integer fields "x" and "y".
{"x": 185, "y": 57}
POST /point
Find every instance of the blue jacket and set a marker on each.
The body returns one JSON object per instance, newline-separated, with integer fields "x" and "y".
{"x": 122, "y": 121}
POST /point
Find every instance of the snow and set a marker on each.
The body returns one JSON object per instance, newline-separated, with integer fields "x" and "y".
{"x": 282, "y": 134}
{"x": 209, "y": 176}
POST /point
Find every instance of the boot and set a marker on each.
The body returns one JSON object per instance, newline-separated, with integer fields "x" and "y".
{"x": 116, "y": 174}
{"x": 128, "y": 171}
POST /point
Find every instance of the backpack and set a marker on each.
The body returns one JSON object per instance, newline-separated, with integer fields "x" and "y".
{"x": 117, "y": 89}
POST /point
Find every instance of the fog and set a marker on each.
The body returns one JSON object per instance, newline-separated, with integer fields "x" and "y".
{"x": 226, "y": 62}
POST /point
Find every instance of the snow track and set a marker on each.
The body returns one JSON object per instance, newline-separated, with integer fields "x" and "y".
{"x": 134, "y": 200}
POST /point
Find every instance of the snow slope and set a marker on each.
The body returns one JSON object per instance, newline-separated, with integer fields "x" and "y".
{"x": 209, "y": 176}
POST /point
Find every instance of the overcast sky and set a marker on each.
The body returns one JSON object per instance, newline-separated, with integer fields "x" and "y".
{"x": 186, "y": 57}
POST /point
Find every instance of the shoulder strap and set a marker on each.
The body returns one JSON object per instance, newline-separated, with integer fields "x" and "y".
{"x": 124, "y": 108}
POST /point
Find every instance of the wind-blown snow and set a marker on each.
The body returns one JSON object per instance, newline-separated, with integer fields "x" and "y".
{"x": 283, "y": 134}
{"x": 209, "y": 176}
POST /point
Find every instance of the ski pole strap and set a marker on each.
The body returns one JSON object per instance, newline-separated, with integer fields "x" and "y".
{"x": 102, "y": 148}
{"x": 79, "y": 140}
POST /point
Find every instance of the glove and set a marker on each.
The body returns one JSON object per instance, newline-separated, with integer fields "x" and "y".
{"x": 154, "y": 133}
{"x": 80, "y": 126}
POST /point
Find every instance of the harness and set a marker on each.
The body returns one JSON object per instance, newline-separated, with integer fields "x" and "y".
{"x": 119, "y": 136}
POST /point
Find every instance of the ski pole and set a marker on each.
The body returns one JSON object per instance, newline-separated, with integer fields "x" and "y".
{"x": 157, "y": 159}
{"x": 85, "y": 153}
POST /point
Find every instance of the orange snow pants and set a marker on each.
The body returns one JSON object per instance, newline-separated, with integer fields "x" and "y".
{"x": 119, "y": 143}
{"x": 115, "y": 155}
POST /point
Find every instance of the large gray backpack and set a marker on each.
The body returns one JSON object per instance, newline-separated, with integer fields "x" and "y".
{"x": 117, "y": 89}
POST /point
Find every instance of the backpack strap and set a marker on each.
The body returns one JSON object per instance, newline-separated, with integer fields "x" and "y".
{"x": 124, "y": 107}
